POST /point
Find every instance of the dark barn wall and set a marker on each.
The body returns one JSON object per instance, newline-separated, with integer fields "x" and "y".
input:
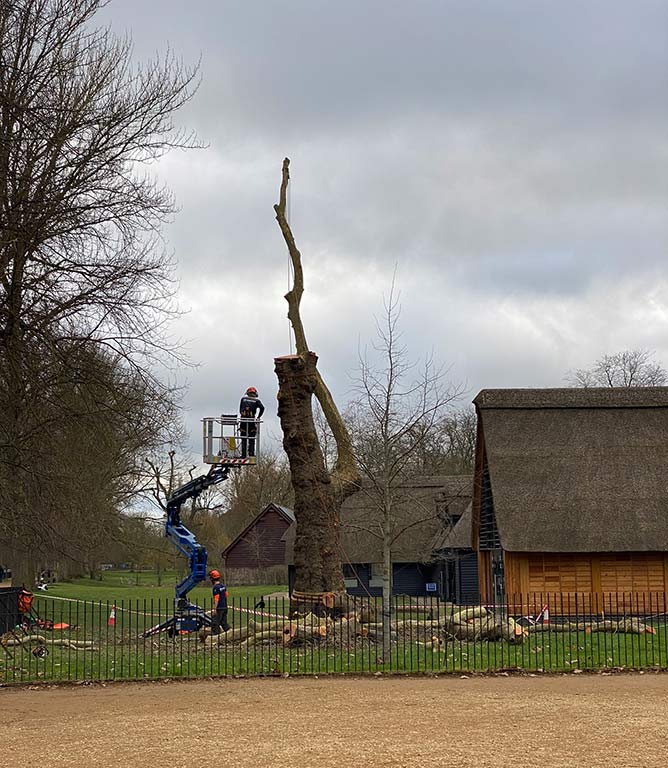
{"x": 261, "y": 545}
{"x": 362, "y": 573}
{"x": 468, "y": 592}
{"x": 411, "y": 579}
{"x": 408, "y": 579}
{"x": 459, "y": 578}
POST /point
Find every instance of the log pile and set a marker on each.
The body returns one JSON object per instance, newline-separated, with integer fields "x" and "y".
{"x": 478, "y": 623}
{"x": 623, "y": 626}
{"x": 473, "y": 624}
{"x": 301, "y": 630}
{"x": 469, "y": 624}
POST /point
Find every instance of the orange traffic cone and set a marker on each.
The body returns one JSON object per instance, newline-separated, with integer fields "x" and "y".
{"x": 111, "y": 621}
{"x": 546, "y": 615}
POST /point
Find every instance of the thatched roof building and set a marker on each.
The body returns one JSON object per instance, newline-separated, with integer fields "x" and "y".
{"x": 576, "y": 472}
{"x": 426, "y": 509}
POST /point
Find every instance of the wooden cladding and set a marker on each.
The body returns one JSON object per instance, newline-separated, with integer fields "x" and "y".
{"x": 261, "y": 544}
{"x": 640, "y": 575}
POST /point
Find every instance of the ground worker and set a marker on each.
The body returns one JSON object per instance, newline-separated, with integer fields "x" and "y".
{"x": 219, "y": 615}
{"x": 250, "y": 408}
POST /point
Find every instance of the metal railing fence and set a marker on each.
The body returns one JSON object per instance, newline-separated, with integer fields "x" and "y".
{"x": 78, "y": 640}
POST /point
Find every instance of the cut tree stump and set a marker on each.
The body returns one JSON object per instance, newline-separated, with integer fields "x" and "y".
{"x": 306, "y": 634}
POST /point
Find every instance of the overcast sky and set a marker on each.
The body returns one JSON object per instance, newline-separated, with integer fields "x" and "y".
{"x": 511, "y": 158}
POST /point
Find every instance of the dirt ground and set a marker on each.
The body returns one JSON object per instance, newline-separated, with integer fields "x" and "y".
{"x": 590, "y": 721}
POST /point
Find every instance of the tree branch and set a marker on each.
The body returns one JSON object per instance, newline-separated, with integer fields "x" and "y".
{"x": 345, "y": 474}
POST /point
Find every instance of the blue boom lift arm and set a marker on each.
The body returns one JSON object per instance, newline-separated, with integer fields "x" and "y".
{"x": 183, "y": 539}
{"x": 225, "y": 442}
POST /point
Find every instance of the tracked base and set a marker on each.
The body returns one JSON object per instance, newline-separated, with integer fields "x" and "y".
{"x": 190, "y": 619}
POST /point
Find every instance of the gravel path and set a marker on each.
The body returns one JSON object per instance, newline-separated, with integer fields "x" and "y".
{"x": 562, "y": 721}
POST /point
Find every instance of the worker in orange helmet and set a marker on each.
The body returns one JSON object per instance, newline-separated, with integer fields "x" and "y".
{"x": 219, "y": 614}
{"x": 250, "y": 408}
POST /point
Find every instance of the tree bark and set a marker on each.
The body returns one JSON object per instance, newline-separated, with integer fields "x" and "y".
{"x": 387, "y": 591}
{"x": 317, "y": 556}
{"x": 318, "y": 494}
{"x": 345, "y": 475}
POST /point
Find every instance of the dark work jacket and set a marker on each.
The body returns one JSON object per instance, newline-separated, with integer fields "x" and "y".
{"x": 221, "y": 591}
{"x": 249, "y": 406}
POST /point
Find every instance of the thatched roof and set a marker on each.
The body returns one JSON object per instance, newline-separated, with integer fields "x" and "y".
{"x": 578, "y": 470}
{"x": 460, "y": 536}
{"x": 423, "y": 507}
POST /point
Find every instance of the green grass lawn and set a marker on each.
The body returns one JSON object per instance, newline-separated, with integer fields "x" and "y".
{"x": 115, "y": 586}
{"x": 122, "y": 653}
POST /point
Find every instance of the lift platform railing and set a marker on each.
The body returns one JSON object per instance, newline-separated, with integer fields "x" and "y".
{"x": 230, "y": 440}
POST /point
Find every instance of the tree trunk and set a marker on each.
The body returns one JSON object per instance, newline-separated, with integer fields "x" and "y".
{"x": 24, "y": 570}
{"x": 387, "y": 593}
{"x": 317, "y": 550}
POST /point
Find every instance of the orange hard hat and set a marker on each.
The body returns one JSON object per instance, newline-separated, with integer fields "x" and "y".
{"x": 251, "y": 391}
{"x": 214, "y": 574}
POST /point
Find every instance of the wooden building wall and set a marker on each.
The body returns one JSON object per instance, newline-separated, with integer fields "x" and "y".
{"x": 261, "y": 545}
{"x": 639, "y": 578}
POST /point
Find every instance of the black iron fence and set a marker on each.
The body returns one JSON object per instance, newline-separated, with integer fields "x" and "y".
{"x": 66, "y": 639}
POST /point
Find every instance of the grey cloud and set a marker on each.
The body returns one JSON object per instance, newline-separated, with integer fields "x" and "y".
{"x": 299, "y": 65}
{"x": 512, "y": 158}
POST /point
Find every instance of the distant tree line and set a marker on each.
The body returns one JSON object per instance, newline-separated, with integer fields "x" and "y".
{"x": 629, "y": 368}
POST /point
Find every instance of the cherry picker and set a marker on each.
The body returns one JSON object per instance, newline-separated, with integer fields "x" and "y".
{"x": 225, "y": 445}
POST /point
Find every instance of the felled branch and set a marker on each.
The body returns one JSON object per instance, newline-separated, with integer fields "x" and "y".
{"x": 28, "y": 640}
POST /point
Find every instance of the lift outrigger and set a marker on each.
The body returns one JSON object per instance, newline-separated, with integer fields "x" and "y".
{"x": 227, "y": 442}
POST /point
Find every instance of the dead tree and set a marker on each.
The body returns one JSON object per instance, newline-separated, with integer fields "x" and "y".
{"x": 318, "y": 492}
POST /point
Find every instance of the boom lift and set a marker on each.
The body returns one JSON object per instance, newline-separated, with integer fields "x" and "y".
{"x": 226, "y": 444}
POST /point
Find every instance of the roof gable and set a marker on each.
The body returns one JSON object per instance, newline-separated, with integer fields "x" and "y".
{"x": 284, "y": 512}
{"x": 460, "y": 535}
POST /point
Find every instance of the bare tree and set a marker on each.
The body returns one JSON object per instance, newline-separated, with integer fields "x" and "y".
{"x": 630, "y": 368}
{"x": 162, "y": 477}
{"x": 245, "y": 494}
{"x": 81, "y": 267}
{"x": 398, "y": 407}
{"x": 255, "y": 540}
{"x": 95, "y": 423}
{"x": 459, "y": 432}
{"x": 319, "y": 493}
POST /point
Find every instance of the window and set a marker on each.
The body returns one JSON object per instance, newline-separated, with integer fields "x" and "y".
{"x": 350, "y": 576}
{"x": 376, "y": 575}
